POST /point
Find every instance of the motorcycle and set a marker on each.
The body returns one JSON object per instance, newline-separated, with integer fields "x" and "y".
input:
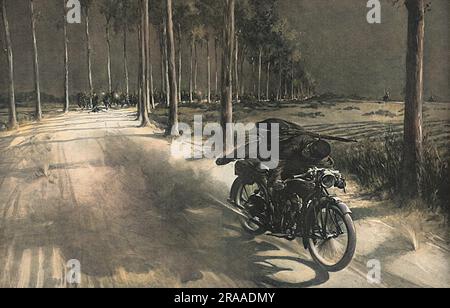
{"x": 299, "y": 207}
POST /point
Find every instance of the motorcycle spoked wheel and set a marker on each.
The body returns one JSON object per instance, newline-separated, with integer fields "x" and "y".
{"x": 240, "y": 194}
{"x": 334, "y": 246}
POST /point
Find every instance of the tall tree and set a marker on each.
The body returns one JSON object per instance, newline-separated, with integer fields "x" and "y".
{"x": 187, "y": 16}
{"x": 125, "y": 28}
{"x": 196, "y": 42}
{"x": 157, "y": 18}
{"x": 216, "y": 68}
{"x": 145, "y": 56}
{"x": 413, "y": 124}
{"x": 236, "y": 66}
{"x": 245, "y": 42}
{"x": 12, "y": 119}
{"x": 281, "y": 42}
{"x": 166, "y": 61}
{"x": 180, "y": 61}
{"x": 191, "y": 72}
{"x": 141, "y": 61}
{"x": 162, "y": 57}
{"x": 108, "y": 9}
{"x": 256, "y": 19}
{"x": 208, "y": 90}
{"x": 173, "y": 114}
{"x": 199, "y": 36}
{"x": 268, "y": 80}
{"x": 66, "y": 61}
{"x": 37, "y": 82}
{"x": 227, "y": 65}
{"x": 210, "y": 11}
{"x": 86, "y": 4}
{"x": 260, "y": 54}
{"x": 182, "y": 21}
{"x": 280, "y": 79}
{"x": 127, "y": 19}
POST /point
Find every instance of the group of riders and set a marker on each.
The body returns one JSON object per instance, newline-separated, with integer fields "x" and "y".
{"x": 387, "y": 97}
{"x": 106, "y": 100}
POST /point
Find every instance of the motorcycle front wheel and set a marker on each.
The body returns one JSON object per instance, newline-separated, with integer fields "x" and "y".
{"x": 332, "y": 242}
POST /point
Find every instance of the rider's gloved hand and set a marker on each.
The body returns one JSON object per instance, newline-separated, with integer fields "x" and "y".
{"x": 279, "y": 185}
{"x": 223, "y": 161}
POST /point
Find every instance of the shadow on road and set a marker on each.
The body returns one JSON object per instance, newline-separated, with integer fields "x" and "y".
{"x": 132, "y": 217}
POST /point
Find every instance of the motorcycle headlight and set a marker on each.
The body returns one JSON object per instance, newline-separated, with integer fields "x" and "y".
{"x": 328, "y": 180}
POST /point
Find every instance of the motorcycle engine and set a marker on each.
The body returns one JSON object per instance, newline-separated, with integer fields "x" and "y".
{"x": 257, "y": 207}
{"x": 292, "y": 208}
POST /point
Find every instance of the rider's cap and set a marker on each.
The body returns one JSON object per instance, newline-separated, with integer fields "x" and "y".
{"x": 319, "y": 149}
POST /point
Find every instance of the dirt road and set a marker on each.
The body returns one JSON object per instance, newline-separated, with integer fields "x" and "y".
{"x": 95, "y": 188}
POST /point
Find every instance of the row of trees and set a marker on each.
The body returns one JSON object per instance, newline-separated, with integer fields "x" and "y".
{"x": 247, "y": 33}
{"x": 263, "y": 43}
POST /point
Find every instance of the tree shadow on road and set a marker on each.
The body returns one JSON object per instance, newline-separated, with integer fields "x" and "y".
{"x": 137, "y": 219}
{"x": 258, "y": 266}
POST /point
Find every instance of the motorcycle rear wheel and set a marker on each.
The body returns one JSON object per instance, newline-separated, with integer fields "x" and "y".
{"x": 240, "y": 195}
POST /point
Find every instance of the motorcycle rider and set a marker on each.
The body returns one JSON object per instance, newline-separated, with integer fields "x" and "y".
{"x": 95, "y": 100}
{"x": 387, "y": 96}
{"x": 299, "y": 152}
{"x": 298, "y": 155}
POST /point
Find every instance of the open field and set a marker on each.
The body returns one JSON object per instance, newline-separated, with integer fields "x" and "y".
{"x": 361, "y": 120}
{"x": 344, "y": 118}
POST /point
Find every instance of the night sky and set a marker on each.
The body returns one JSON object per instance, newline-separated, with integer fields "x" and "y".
{"x": 344, "y": 53}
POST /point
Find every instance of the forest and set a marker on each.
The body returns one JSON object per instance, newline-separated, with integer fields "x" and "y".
{"x": 266, "y": 47}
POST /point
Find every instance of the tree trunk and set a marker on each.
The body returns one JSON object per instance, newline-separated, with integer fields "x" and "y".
{"x": 163, "y": 68}
{"x": 259, "y": 73}
{"x": 140, "y": 67}
{"x": 253, "y": 75}
{"x": 208, "y": 95}
{"x": 241, "y": 73}
{"x": 38, "y": 108}
{"x": 66, "y": 63}
{"x": 173, "y": 114}
{"x": 12, "y": 119}
{"x": 150, "y": 67}
{"x": 180, "y": 64}
{"x": 152, "y": 88}
{"x": 89, "y": 52}
{"x": 301, "y": 91}
{"x": 166, "y": 61}
{"x": 236, "y": 69}
{"x": 216, "y": 59}
{"x": 268, "y": 81}
{"x": 195, "y": 66}
{"x": 149, "y": 74}
{"x": 125, "y": 61}
{"x": 413, "y": 125}
{"x": 191, "y": 72}
{"x": 292, "y": 81}
{"x": 108, "y": 51}
{"x": 280, "y": 84}
{"x": 145, "y": 61}
{"x": 227, "y": 67}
